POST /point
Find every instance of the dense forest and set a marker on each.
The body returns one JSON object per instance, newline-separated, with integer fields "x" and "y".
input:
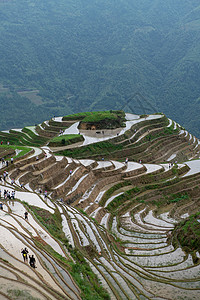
{"x": 64, "y": 56}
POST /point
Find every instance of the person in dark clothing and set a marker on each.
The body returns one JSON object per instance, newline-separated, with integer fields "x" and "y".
{"x": 32, "y": 261}
{"x": 26, "y": 215}
{"x": 25, "y": 254}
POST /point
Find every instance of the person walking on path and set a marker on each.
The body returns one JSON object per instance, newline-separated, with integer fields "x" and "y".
{"x": 32, "y": 261}
{"x": 25, "y": 254}
{"x": 4, "y": 176}
{"x": 45, "y": 195}
{"x": 26, "y": 215}
{"x": 13, "y": 195}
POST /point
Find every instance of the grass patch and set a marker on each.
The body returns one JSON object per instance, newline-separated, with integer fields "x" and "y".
{"x": 86, "y": 279}
{"x": 101, "y": 119}
{"x": 23, "y": 151}
{"x": 113, "y": 205}
{"x": 20, "y": 294}
{"x": 78, "y": 116}
{"x": 66, "y": 139}
{"x": 114, "y": 188}
{"x": 174, "y": 198}
{"x": 187, "y": 232}
{"x": 101, "y": 148}
{"x": 36, "y": 139}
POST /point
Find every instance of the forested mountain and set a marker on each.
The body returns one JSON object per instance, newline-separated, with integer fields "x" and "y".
{"x": 64, "y": 56}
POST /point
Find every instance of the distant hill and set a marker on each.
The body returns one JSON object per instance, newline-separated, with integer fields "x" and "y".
{"x": 62, "y": 57}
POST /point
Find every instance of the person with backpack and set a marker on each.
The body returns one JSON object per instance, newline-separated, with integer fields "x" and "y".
{"x": 32, "y": 261}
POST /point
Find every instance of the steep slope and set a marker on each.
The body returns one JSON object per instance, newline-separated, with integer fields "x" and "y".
{"x": 102, "y": 229}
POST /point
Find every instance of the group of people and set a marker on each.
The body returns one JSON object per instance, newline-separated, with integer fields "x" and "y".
{"x": 8, "y": 143}
{"x": 5, "y": 174}
{"x": 171, "y": 164}
{"x": 45, "y": 193}
{"x": 61, "y": 131}
{"x": 8, "y": 195}
{"x": 32, "y": 260}
{"x": 6, "y": 162}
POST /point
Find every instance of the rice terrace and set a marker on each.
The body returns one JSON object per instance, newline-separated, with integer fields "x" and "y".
{"x": 107, "y": 203}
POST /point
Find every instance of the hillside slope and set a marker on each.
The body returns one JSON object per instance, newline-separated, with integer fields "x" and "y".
{"x": 104, "y": 226}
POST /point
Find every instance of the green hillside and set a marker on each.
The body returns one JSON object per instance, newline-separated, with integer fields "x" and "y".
{"x": 63, "y": 57}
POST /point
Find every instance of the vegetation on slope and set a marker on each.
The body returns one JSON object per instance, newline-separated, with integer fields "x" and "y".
{"x": 104, "y": 120}
{"x": 79, "y": 116}
{"x": 101, "y": 119}
{"x": 66, "y": 139}
{"x": 187, "y": 232}
{"x": 9, "y": 151}
{"x": 100, "y": 148}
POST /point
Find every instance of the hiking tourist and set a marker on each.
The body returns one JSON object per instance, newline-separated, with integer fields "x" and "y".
{"x": 13, "y": 195}
{"x": 25, "y": 254}
{"x": 26, "y": 215}
{"x": 32, "y": 261}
